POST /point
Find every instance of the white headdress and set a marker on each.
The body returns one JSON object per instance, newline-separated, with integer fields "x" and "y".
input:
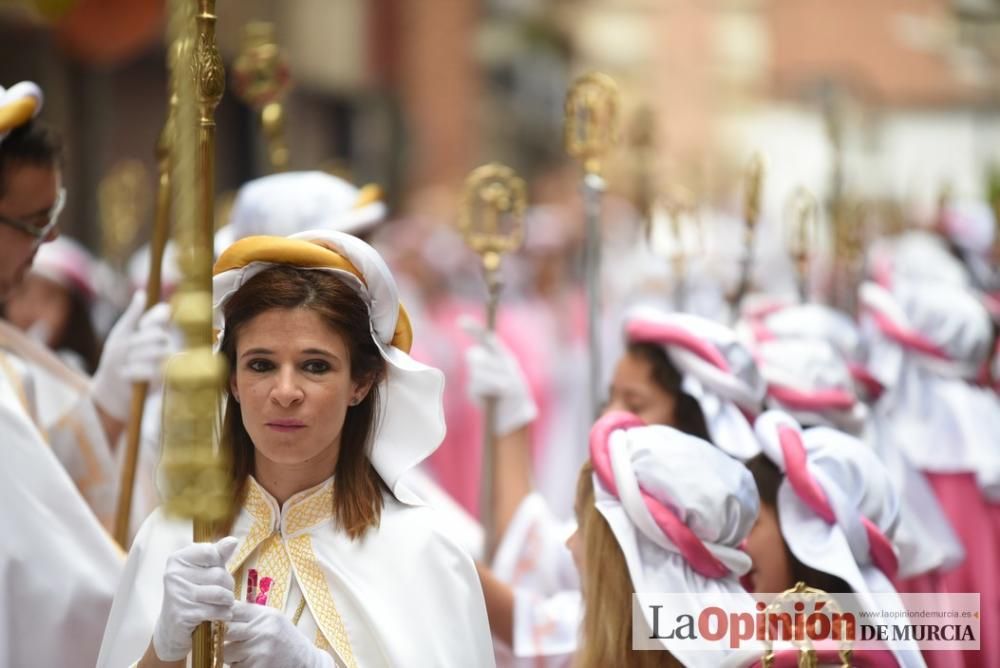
{"x": 293, "y": 202}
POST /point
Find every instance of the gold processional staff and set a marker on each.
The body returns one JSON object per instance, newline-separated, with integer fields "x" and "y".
{"x": 261, "y": 78}
{"x": 161, "y": 231}
{"x": 491, "y": 220}
{"x": 195, "y": 463}
{"x": 591, "y": 126}
{"x": 753, "y": 186}
{"x": 804, "y": 237}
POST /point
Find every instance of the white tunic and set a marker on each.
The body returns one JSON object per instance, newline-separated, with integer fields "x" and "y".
{"x": 58, "y": 567}
{"x": 533, "y": 559}
{"x": 403, "y": 595}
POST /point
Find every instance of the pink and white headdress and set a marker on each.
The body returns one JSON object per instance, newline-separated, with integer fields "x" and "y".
{"x": 929, "y": 343}
{"x": 810, "y": 379}
{"x": 837, "y": 508}
{"x": 679, "y": 509}
{"x": 817, "y": 322}
{"x": 718, "y": 369}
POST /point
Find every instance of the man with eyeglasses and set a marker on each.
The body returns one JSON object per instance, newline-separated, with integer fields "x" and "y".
{"x": 31, "y": 196}
{"x": 58, "y": 564}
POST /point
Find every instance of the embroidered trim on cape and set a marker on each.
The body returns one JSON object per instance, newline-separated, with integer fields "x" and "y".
{"x": 317, "y": 592}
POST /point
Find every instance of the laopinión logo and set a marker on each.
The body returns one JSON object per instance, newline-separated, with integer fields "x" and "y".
{"x": 870, "y": 621}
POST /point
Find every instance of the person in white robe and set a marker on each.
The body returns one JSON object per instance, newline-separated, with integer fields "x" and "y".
{"x": 58, "y": 565}
{"x": 302, "y": 579}
{"x": 800, "y": 353}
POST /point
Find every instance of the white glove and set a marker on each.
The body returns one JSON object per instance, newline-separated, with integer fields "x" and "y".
{"x": 495, "y": 372}
{"x": 134, "y": 351}
{"x": 259, "y": 635}
{"x": 196, "y": 588}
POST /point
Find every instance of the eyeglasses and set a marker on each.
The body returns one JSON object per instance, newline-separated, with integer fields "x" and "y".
{"x": 40, "y": 225}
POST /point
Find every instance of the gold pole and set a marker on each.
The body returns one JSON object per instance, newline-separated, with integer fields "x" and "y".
{"x": 679, "y": 202}
{"x": 261, "y": 77}
{"x": 194, "y": 464}
{"x": 161, "y": 231}
{"x": 804, "y": 236}
{"x": 753, "y": 180}
{"x": 643, "y": 144}
{"x": 491, "y": 220}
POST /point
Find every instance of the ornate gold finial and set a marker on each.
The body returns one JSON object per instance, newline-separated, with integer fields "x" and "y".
{"x": 491, "y": 220}
{"x": 818, "y": 599}
{"x": 591, "y": 119}
{"x": 123, "y": 199}
{"x": 261, "y": 76}
{"x": 804, "y": 235}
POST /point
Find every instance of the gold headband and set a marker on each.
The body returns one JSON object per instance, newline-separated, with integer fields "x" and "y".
{"x": 307, "y": 255}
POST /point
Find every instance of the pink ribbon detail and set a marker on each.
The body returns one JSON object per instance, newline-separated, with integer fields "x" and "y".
{"x": 907, "y": 337}
{"x": 829, "y": 399}
{"x": 872, "y": 386}
{"x": 809, "y": 491}
{"x": 669, "y": 334}
{"x": 688, "y": 544}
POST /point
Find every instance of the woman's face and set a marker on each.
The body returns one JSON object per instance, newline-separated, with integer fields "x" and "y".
{"x": 39, "y": 306}
{"x": 634, "y": 390}
{"x": 293, "y": 382}
{"x": 772, "y": 569}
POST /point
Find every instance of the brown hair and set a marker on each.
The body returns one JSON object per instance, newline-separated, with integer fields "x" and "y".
{"x": 34, "y": 144}
{"x": 78, "y": 333}
{"x": 687, "y": 412}
{"x": 357, "y": 501}
{"x": 607, "y": 593}
{"x": 768, "y": 478}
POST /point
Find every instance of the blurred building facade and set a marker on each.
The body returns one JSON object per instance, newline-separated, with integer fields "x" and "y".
{"x": 414, "y": 94}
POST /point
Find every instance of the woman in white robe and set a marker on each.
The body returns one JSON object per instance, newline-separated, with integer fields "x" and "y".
{"x": 328, "y": 562}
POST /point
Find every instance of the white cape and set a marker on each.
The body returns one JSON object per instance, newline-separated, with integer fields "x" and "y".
{"x": 58, "y": 567}
{"x": 403, "y": 595}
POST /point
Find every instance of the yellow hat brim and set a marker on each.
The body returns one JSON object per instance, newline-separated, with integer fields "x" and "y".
{"x": 17, "y": 113}
{"x": 307, "y": 255}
